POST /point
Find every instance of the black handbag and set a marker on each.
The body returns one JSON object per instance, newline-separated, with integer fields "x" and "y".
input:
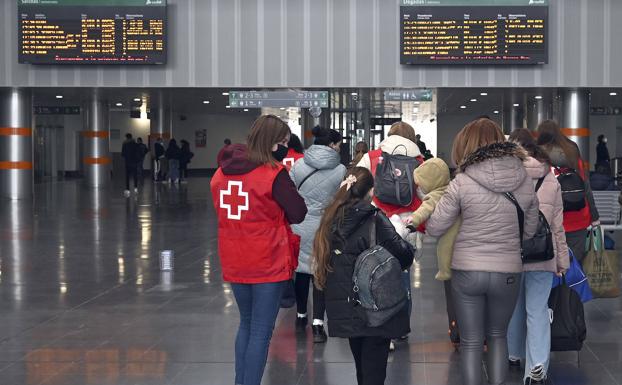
{"x": 539, "y": 248}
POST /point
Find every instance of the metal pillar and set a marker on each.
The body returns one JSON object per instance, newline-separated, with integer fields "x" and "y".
{"x": 96, "y": 151}
{"x": 513, "y": 113}
{"x": 16, "y": 162}
{"x": 159, "y": 126}
{"x": 537, "y": 111}
{"x": 575, "y": 118}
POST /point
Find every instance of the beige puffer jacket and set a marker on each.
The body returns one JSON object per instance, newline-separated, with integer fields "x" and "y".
{"x": 488, "y": 239}
{"x": 393, "y": 144}
{"x": 552, "y": 206}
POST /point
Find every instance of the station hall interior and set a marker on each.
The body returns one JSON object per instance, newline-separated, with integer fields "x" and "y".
{"x": 84, "y": 296}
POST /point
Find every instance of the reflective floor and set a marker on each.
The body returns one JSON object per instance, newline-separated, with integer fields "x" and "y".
{"x": 82, "y": 301}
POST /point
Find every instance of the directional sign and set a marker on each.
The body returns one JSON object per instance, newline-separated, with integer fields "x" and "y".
{"x": 259, "y": 99}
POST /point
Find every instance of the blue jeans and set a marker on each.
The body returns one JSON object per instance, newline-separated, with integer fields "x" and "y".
{"x": 173, "y": 169}
{"x": 258, "y": 305}
{"x": 529, "y": 332}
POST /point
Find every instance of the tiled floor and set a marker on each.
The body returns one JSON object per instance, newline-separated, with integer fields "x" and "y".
{"x": 82, "y": 301}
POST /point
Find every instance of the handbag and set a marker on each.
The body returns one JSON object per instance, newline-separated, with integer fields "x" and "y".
{"x": 576, "y": 280}
{"x": 539, "y": 248}
{"x": 601, "y": 267}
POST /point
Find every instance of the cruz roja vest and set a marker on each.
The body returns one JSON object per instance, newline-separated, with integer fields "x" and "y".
{"x": 389, "y": 209}
{"x": 255, "y": 241}
{"x": 291, "y": 158}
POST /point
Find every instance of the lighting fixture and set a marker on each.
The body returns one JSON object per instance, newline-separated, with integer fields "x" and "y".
{"x": 225, "y": 94}
{"x": 246, "y": 110}
{"x": 473, "y": 100}
{"x": 484, "y": 94}
{"x": 495, "y": 112}
{"x": 516, "y": 105}
{"x": 119, "y": 104}
{"x": 206, "y": 102}
{"x": 282, "y": 108}
{"x": 613, "y": 94}
{"x": 538, "y": 97}
{"x": 59, "y": 96}
{"x": 416, "y": 103}
{"x": 137, "y": 99}
{"x": 227, "y": 106}
{"x": 354, "y": 93}
{"x": 463, "y": 107}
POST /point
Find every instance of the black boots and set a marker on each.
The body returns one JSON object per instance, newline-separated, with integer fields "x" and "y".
{"x": 319, "y": 335}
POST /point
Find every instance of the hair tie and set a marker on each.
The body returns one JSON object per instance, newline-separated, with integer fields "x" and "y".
{"x": 348, "y": 182}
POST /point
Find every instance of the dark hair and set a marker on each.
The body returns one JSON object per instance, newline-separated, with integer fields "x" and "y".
{"x": 360, "y": 150}
{"x": 550, "y": 135}
{"x": 172, "y": 142}
{"x": 128, "y": 136}
{"x": 600, "y": 138}
{"x": 334, "y": 213}
{"x": 227, "y": 141}
{"x": 478, "y": 133}
{"x": 525, "y": 138}
{"x": 266, "y": 131}
{"x": 139, "y": 140}
{"x": 325, "y": 136}
{"x": 295, "y": 144}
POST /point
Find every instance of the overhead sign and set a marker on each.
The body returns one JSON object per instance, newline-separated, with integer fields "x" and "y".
{"x": 56, "y": 110}
{"x": 259, "y": 99}
{"x": 415, "y": 95}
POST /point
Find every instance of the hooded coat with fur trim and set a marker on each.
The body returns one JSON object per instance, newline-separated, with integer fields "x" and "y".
{"x": 488, "y": 239}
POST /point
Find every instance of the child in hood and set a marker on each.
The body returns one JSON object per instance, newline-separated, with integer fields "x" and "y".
{"x": 432, "y": 179}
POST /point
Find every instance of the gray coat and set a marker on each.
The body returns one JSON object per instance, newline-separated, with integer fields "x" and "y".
{"x": 488, "y": 239}
{"x": 318, "y": 192}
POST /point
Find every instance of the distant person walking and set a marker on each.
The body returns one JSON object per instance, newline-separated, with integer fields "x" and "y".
{"x": 602, "y": 152}
{"x": 222, "y": 152}
{"x": 130, "y": 153}
{"x": 422, "y": 147}
{"x": 158, "y": 154}
{"x": 185, "y": 156}
{"x": 173, "y": 154}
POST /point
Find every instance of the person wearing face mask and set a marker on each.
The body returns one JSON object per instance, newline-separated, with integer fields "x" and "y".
{"x": 255, "y": 202}
{"x": 602, "y": 152}
{"x": 344, "y": 233}
{"x": 317, "y": 177}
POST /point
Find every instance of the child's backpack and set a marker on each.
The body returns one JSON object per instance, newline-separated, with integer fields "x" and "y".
{"x": 393, "y": 181}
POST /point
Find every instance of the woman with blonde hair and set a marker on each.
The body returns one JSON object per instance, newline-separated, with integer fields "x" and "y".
{"x": 486, "y": 264}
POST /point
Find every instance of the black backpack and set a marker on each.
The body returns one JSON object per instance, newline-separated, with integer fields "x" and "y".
{"x": 568, "y": 330}
{"x": 573, "y": 189}
{"x": 393, "y": 182}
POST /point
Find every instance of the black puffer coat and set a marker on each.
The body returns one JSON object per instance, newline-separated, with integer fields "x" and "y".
{"x": 351, "y": 237}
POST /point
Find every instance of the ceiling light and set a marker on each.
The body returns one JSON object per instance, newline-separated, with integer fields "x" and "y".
{"x": 59, "y": 96}
{"x": 463, "y": 107}
{"x": 610, "y": 94}
{"x": 473, "y": 100}
{"x": 538, "y": 97}
{"x": 354, "y": 94}
{"x": 495, "y": 112}
{"x": 119, "y": 104}
{"x": 516, "y": 105}
{"x": 416, "y": 103}
{"x": 206, "y": 102}
{"x": 416, "y": 109}
{"x": 137, "y": 99}
{"x": 227, "y": 106}
{"x": 225, "y": 94}
{"x": 282, "y": 108}
{"x": 246, "y": 110}
{"x": 484, "y": 94}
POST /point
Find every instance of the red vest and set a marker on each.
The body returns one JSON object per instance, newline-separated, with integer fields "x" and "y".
{"x": 255, "y": 242}
{"x": 291, "y": 158}
{"x": 388, "y": 209}
{"x": 581, "y": 219}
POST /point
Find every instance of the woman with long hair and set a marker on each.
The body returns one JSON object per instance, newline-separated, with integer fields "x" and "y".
{"x": 317, "y": 177}
{"x": 565, "y": 155}
{"x": 343, "y": 234}
{"x": 256, "y": 201}
{"x": 360, "y": 150}
{"x": 529, "y": 333}
{"x": 486, "y": 263}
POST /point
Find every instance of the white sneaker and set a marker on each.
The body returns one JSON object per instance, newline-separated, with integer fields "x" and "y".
{"x": 127, "y": 193}
{"x": 391, "y": 346}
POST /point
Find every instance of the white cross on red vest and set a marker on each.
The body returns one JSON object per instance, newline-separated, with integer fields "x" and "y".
{"x": 234, "y": 200}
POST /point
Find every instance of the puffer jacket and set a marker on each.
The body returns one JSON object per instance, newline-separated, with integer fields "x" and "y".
{"x": 393, "y": 144}
{"x": 552, "y": 206}
{"x": 318, "y": 191}
{"x": 351, "y": 237}
{"x": 488, "y": 239}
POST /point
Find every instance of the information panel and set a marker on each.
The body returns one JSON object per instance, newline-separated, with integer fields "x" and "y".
{"x": 258, "y": 99}
{"x": 474, "y": 31}
{"x": 92, "y": 31}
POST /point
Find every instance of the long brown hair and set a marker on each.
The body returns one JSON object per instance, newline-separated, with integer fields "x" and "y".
{"x": 550, "y": 135}
{"x": 404, "y": 130}
{"x": 360, "y": 150}
{"x": 525, "y": 138}
{"x": 265, "y": 132}
{"x": 333, "y": 214}
{"x": 478, "y": 133}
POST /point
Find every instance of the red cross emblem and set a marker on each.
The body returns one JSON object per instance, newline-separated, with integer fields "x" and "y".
{"x": 288, "y": 163}
{"x": 234, "y": 200}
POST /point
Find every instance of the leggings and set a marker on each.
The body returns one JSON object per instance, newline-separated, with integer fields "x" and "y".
{"x": 484, "y": 305}
{"x": 302, "y": 296}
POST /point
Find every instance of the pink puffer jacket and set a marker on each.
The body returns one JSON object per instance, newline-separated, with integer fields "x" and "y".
{"x": 551, "y": 205}
{"x": 488, "y": 239}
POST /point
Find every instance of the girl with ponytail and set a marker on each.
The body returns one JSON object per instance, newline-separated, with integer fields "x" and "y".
{"x": 343, "y": 234}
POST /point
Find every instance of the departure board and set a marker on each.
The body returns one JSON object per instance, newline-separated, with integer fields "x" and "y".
{"x": 92, "y": 31}
{"x": 474, "y": 32}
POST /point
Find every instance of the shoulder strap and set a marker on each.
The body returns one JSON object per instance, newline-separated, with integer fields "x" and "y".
{"x": 307, "y": 177}
{"x": 519, "y": 212}
{"x": 372, "y": 230}
{"x": 539, "y": 183}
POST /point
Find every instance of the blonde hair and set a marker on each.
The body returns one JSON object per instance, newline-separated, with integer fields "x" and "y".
{"x": 478, "y": 133}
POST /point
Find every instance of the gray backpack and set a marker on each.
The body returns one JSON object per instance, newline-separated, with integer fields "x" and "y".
{"x": 377, "y": 282}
